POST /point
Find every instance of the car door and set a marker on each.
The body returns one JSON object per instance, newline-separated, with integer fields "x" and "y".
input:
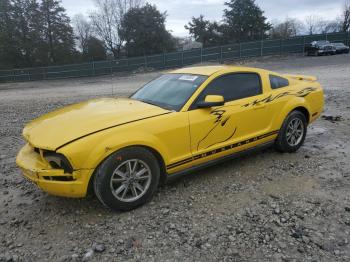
{"x": 214, "y": 130}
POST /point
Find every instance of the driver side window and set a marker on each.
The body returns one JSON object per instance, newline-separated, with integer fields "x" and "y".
{"x": 233, "y": 86}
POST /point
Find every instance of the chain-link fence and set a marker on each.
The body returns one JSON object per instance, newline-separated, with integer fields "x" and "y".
{"x": 173, "y": 59}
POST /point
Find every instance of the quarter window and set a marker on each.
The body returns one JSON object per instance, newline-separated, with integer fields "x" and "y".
{"x": 234, "y": 86}
{"x": 278, "y": 82}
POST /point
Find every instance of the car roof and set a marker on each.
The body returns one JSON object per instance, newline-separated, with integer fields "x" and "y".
{"x": 320, "y": 41}
{"x": 210, "y": 70}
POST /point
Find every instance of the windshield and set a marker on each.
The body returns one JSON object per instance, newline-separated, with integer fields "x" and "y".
{"x": 320, "y": 43}
{"x": 170, "y": 91}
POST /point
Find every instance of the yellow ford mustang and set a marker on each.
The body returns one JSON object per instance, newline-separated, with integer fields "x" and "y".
{"x": 183, "y": 120}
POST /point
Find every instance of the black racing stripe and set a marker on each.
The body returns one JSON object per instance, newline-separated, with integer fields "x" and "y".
{"x": 180, "y": 162}
{"x": 110, "y": 128}
{"x": 219, "y": 150}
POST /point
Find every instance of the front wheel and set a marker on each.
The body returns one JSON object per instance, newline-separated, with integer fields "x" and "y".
{"x": 127, "y": 178}
{"x": 292, "y": 134}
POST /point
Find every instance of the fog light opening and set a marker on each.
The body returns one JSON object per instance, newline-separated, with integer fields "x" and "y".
{"x": 59, "y": 178}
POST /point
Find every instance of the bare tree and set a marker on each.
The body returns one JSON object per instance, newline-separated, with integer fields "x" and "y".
{"x": 290, "y": 27}
{"x": 345, "y": 24}
{"x": 106, "y": 21}
{"x": 314, "y": 24}
{"x": 83, "y": 31}
{"x": 331, "y": 26}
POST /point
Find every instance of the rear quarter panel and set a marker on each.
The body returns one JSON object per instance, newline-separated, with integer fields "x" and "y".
{"x": 315, "y": 101}
{"x": 299, "y": 94}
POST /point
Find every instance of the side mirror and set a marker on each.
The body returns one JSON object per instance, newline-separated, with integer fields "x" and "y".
{"x": 211, "y": 101}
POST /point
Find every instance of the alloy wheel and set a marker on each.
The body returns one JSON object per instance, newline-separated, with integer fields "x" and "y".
{"x": 295, "y": 132}
{"x": 130, "y": 180}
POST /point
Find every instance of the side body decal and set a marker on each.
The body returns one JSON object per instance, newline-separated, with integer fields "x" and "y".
{"x": 302, "y": 93}
{"x": 220, "y": 122}
{"x": 219, "y": 150}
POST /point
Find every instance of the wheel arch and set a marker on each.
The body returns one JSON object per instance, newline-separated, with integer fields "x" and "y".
{"x": 160, "y": 160}
{"x": 152, "y": 150}
{"x": 299, "y": 104}
{"x": 305, "y": 112}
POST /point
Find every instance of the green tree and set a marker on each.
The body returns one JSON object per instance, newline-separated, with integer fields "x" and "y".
{"x": 345, "y": 23}
{"x": 57, "y": 31}
{"x": 244, "y": 21}
{"x": 27, "y": 31}
{"x": 204, "y": 31}
{"x": 8, "y": 53}
{"x": 143, "y": 29}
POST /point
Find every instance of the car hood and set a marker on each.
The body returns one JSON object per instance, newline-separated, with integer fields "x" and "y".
{"x": 62, "y": 126}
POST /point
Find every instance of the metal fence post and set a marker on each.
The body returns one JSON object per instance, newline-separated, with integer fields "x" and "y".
{"x": 347, "y": 38}
{"x": 304, "y": 45}
{"x": 145, "y": 61}
{"x": 93, "y": 68}
{"x": 261, "y": 47}
{"x": 164, "y": 60}
{"x": 221, "y": 55}
{"x": 281, "y": 46}
{"x": 240, "y": 50}
{"x": 182, "y": 58}
{"x": 201, "y": 55}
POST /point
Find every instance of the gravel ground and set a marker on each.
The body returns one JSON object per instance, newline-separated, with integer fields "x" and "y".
{"x": 263, "y": 207}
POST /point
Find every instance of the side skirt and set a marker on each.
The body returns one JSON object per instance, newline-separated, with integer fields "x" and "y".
{"x": 219, "y": 160}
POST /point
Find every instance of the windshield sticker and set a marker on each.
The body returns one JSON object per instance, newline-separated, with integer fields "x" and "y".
{"x": 188, "y": 78}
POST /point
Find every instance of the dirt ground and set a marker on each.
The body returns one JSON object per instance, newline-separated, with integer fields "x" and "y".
{"x": 266, "y": 206}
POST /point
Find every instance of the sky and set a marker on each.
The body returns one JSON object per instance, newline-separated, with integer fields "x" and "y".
{"x": 180, "y": 12}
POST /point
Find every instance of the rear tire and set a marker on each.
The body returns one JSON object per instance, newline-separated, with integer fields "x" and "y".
{"x": 127, "y": 179}
{"x": 293, "y": 132}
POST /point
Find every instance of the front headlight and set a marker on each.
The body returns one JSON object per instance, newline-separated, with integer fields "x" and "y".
{"x": 58, "y": 161}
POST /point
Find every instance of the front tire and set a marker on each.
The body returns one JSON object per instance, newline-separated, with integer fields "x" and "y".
{"x": 292, "y": 134}
{"x": 127, "y": 179}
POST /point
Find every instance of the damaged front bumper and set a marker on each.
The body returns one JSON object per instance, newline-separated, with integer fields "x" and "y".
{"x": 53, "y": 181}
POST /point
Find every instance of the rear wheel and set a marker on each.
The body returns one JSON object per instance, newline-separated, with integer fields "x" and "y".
{"x": 292, "y": 134}
{"x": 127, "y": 178}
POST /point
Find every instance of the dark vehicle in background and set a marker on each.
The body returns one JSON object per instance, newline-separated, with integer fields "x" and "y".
{"x": 317, "y": 48}
{"x": 341, "y": 48}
